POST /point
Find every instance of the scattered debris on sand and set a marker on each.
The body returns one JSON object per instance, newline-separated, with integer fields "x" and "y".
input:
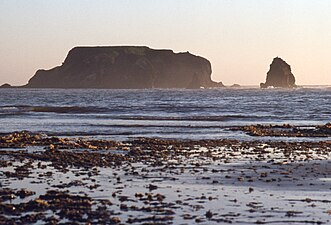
{"x": 286, "y": 130}
{"x": 56, "y": 180}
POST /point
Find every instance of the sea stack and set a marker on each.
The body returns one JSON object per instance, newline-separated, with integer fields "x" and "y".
{"x": 279, "y": 75}
{"x": 126, "y": 67}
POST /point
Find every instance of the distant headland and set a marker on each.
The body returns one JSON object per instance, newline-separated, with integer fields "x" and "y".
{"x": 126, "y": 67}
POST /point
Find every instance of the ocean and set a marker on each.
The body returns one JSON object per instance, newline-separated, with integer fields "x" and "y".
{"x": 160, "y": 113}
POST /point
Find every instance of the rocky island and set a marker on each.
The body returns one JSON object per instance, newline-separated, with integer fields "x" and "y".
{"x": 126, "y": 67}
{"x": 6, "y": 85}
{"x": 279, "y": 75}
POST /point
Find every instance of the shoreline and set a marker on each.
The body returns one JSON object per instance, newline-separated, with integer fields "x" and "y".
{"x": 157, "y": 181}
{"x": 227, "y": 86}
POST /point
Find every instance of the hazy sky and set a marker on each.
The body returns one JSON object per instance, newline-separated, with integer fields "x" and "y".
{"x": 239, "y": 37}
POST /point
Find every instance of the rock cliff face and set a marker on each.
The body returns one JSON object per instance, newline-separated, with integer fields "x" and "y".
{"x": 126, "y": 67}
{"x": 279, "y": 75}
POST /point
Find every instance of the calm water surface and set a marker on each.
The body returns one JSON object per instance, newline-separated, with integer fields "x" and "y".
{"x": 187, "y": 114}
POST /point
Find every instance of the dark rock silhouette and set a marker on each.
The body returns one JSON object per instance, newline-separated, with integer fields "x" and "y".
{"x": 126, "y": 67}
{"x": 279, "y": 75}
{"x": 195, "y": 82}
{"x": 6, "y": 86}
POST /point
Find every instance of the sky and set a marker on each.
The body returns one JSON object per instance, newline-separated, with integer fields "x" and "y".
{"x": 239, "y": 37}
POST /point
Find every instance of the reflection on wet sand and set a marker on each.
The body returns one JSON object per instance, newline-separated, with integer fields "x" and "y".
{"x": 151, "y": 181}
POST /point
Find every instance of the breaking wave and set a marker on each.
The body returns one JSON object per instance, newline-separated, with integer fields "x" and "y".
{"x": 50, "y": 109}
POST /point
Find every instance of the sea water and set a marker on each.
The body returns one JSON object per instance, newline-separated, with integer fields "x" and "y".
{"x": 160, "y": 113}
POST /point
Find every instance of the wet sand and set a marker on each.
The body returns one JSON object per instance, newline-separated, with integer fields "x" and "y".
{"x": 52, "y": 180}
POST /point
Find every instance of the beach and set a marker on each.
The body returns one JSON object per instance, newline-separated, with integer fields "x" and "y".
{"x": 51, "y": 180}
